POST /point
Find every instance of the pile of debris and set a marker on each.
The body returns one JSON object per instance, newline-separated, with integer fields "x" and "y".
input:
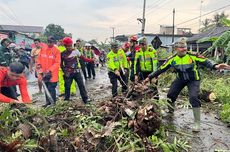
{"x": 138, "y": 91}
{"x": 77, "y": 127}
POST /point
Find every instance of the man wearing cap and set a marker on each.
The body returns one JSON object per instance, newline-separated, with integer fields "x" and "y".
{"x": 61, "y": 83}
{"x": 131, "y": 57}
{"x": 147, "y": 59}
{"x": 116, "y": 67}
{"x": 5, "y": 54}
{"x": 71, "y": 69}
{"x": 48, "y": 64}
{"x": 12, "y": 76}
{"x": 188, "y": 75}
{"x": 82, "y": 62}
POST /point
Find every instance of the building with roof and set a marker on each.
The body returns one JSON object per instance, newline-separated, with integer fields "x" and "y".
{"x": 33, "y": 31}
{"x": 21, "y": 35}
{"x": 204, "y": 40}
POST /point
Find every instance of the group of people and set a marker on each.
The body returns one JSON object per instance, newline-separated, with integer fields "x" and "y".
{"x": 53, "y": 62}
{"x": 137, "y": 62}
{"x": 134, "y": 62}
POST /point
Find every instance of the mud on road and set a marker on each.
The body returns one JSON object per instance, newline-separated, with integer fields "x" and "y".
{"x": 214, "y": 134}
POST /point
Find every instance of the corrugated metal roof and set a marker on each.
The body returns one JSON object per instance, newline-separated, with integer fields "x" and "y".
{"x": 214, "y": 32}
{"x": 20, "y": 28}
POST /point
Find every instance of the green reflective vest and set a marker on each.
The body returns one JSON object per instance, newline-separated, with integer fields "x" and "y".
{"x": 186, "y": 66}
{"x": 116, "y": 61}
{"x": 147, "y": 60}
{"x": 123, "y": 59}
{"x": 81, "y": 49}
{"x": 61, "y": 48}
{"x": 89, "y": 54}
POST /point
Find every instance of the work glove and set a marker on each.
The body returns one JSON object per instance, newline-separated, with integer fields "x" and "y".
{"x": 47, "y": 76}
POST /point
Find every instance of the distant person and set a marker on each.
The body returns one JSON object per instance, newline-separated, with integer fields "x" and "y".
{"x": 13, "y": 76}
{"x": 83, "y": 64}
{"x": 133, "y": 49}
{"x": 5, "y": 53}
{"x": 102, "y": 58}
{"x": 23, "y": 57}
{"x": 90, "y": 65}
{"x": 33, "y": 61}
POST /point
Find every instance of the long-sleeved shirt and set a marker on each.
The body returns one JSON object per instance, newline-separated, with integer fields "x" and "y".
{"x": 6, "y": 82}
{"x": 69, "y": 60}
{"x": 186, "y": 66}
{"x": 49, "y": 59}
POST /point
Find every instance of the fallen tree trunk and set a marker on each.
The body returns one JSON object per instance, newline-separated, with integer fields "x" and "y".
{"x": 207, "y": 96}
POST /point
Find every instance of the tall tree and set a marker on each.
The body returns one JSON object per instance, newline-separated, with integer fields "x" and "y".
{"x": 218, "y": 20}
{"x": 56, "y": 31}
{"x": 206, "y": 22}
{"x": 218, "y": 17}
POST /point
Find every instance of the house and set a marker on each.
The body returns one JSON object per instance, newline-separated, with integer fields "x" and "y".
{"x": 20, "y": 39}
{"x": 202, "y": 41}
{"x": 22, "y": 36}
{"x": 33, "y": 31}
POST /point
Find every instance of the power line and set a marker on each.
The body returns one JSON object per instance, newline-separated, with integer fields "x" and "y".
{"x": 163, "y": 4}
{"x": 7, "y": 15}
{"x": 132, "y": 18}
{"x": 162, "y": 18}
{"x": 204, "y": 14}
{"x": 11, "y": 15}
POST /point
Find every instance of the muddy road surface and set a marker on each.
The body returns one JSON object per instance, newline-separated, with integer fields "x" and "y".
{"x": 214, "y": 134}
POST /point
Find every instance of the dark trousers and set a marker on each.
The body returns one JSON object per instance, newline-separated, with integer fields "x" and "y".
{"x": 83, "y": 68}
{"x": 132, "y": 76}
{"x": 78, "y": 78}
{"x": 51, "y": 86}
{"x": 90, "y": 69}
{"x": 143, "y": 75}
{"x": 193, "y": 90}
{"x": 9, "y": 92}
{"x": 113, "y": 79}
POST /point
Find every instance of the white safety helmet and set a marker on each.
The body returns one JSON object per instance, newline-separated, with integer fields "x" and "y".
{"x": 87, "y": 45}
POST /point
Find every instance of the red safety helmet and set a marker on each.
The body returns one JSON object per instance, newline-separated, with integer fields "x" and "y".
{"x": 126, "y": 45}
{"x": 133, "y": 38}
{"x": 67, "y": 41}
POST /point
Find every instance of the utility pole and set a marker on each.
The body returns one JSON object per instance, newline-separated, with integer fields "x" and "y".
{"x": 143, "y": 20}
{"x": 173, "y": 25}
{"x": 200, "y": 14}
{"x": 113, "y": 28}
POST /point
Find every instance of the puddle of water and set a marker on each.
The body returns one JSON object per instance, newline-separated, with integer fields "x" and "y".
{"x": 214, "y": 134}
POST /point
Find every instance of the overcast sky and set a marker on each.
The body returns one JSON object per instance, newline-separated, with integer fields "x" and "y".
{"x": 93, "y": 19}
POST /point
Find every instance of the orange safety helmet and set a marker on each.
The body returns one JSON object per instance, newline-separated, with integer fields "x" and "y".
{"x": 67, "y": 41}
